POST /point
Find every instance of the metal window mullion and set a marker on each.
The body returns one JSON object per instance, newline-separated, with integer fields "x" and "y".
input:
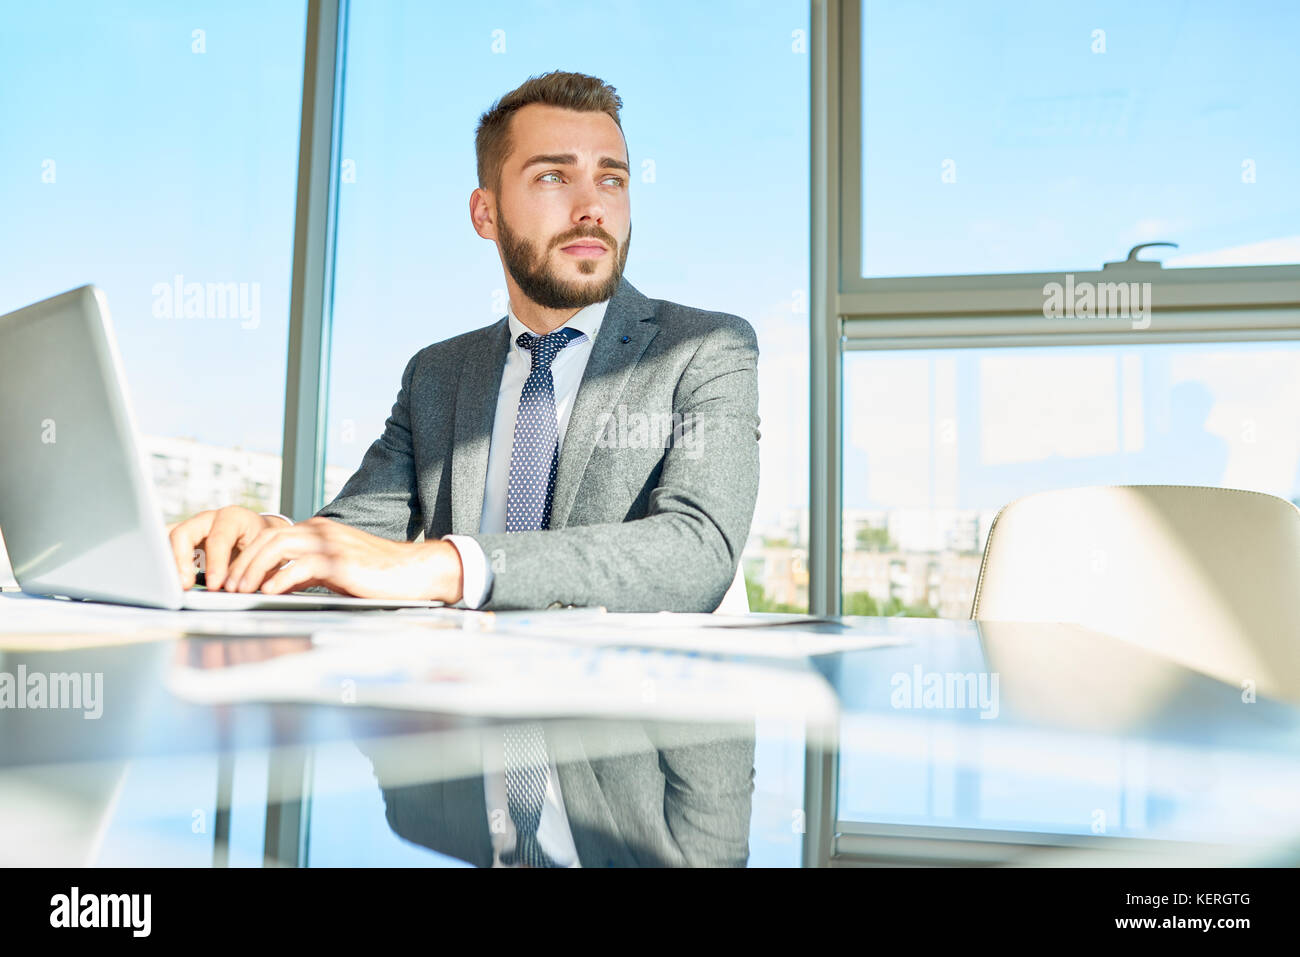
{"x": 288, "y": 810}
{"x": 991, "y": 331}
{"x": 820, "y": 753}
{"x": 1230, "y": 288}
{"x": 1041, "y": 342}
{"x": 312, "y": 282}
{"x": 826, "y": 206}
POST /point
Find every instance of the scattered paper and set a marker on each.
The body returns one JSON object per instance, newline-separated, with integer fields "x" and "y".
{"x": 510, "y": 676}
{"x": 758, "y": 635}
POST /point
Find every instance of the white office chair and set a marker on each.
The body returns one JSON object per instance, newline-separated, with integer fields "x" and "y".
{"x": 736, "y": 600}
{"x": 1208, "y": 577}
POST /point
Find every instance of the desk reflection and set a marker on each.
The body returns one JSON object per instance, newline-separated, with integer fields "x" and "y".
{"x": 634, "y": 794}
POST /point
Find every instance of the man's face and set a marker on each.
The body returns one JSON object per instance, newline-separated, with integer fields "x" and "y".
{"x": 564, "y": 189}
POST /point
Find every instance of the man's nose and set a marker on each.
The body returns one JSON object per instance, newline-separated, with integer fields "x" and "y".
{"x": 589, "y": 205}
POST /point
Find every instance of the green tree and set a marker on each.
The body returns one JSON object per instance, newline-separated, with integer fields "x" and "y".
{"x": 249, "y": 499}
{"x": 758, "y": 600}
{"x": 861, "y": 603}
{"x": 875, "y": 540}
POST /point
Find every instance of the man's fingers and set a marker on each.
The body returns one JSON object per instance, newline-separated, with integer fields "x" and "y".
{"x": 263, "y": 555}
{"x": 218, "y": 548}
{"x": 222, "y": 541}
{"x": 178, "y": 538}
{"x": 239, "y": 564}
{"x": 300, "y": 573}
{"x": 185, "y": 537}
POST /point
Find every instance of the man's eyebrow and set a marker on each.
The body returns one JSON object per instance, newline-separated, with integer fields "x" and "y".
{"x": 569, "y": 159}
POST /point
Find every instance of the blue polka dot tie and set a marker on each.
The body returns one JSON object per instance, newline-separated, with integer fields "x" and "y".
{"x": 536, "y": 452}
{"x": 533, "y": 463}
{"x": 527, "y": 772}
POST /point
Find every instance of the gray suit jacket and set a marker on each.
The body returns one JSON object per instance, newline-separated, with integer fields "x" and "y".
{"x": 635, "y": 525}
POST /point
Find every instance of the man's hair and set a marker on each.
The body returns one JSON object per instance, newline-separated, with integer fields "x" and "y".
{"x": 571, "y": 91}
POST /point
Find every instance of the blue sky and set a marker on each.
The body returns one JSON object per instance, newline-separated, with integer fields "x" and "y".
{"x": 1065, "y": 157}
{"x": 166, "y": 162}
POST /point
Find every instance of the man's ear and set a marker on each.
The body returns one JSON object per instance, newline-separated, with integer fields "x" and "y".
{"x": 482, "y": 213}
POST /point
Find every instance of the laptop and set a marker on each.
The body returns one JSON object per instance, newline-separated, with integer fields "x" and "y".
{"x": 77, "y": 507}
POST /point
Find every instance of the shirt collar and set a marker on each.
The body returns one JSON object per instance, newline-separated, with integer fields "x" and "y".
{"x": 587, "y": 320}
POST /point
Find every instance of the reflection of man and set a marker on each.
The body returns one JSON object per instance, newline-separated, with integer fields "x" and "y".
{"x": 633, "y": 795}
{"x": 504, "y": 445}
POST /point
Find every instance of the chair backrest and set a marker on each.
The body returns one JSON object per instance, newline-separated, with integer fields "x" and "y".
{"x": 1209, "y": 577}
{"x": 736, "y": 600}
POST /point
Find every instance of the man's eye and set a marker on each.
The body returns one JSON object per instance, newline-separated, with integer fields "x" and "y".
{"x": 544, "y": 175}
{"x": 616, "y": 180}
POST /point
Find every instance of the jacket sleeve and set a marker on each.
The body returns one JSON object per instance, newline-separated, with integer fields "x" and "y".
{"x": 683, "y": 555}
{"x": 382, "y": 496}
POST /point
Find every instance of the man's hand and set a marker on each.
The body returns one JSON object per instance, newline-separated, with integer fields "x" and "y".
{"x": 321, "y": 551}
{"x": 221, "y": 533}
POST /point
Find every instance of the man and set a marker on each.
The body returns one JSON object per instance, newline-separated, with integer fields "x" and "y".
{"x": 532, "y": 457}
{"x": 528, "y": 453}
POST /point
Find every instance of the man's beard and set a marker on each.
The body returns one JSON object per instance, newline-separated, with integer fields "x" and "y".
{"x": 540, "y": 284}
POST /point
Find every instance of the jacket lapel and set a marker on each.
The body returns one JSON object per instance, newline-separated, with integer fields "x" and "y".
{"x": 476, "y": 407}
{"x": 608, "y": 368}
{"x": 596, "y": 834}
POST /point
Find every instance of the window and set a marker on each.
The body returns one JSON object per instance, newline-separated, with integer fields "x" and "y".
{"x": 937, "y": 440}
{"x": 152, "y": 150}
{"x": 1027, "y": 137}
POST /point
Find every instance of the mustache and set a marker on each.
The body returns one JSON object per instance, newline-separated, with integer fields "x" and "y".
{"x": 600, "y": 234}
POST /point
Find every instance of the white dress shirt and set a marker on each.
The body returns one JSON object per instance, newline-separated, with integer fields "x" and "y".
{"x": 553, "y": 833}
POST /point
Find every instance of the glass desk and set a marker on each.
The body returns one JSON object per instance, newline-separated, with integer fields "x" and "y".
{"x": 960, "y": 743}
{"x": 1017, "y": 743}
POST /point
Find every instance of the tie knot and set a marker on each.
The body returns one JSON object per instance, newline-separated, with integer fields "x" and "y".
{"x": 546, "y": 348}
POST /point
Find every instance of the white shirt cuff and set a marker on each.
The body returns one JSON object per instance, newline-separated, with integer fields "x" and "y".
{"x": 276, "y": 515}
{"x": 474, "y": 565}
